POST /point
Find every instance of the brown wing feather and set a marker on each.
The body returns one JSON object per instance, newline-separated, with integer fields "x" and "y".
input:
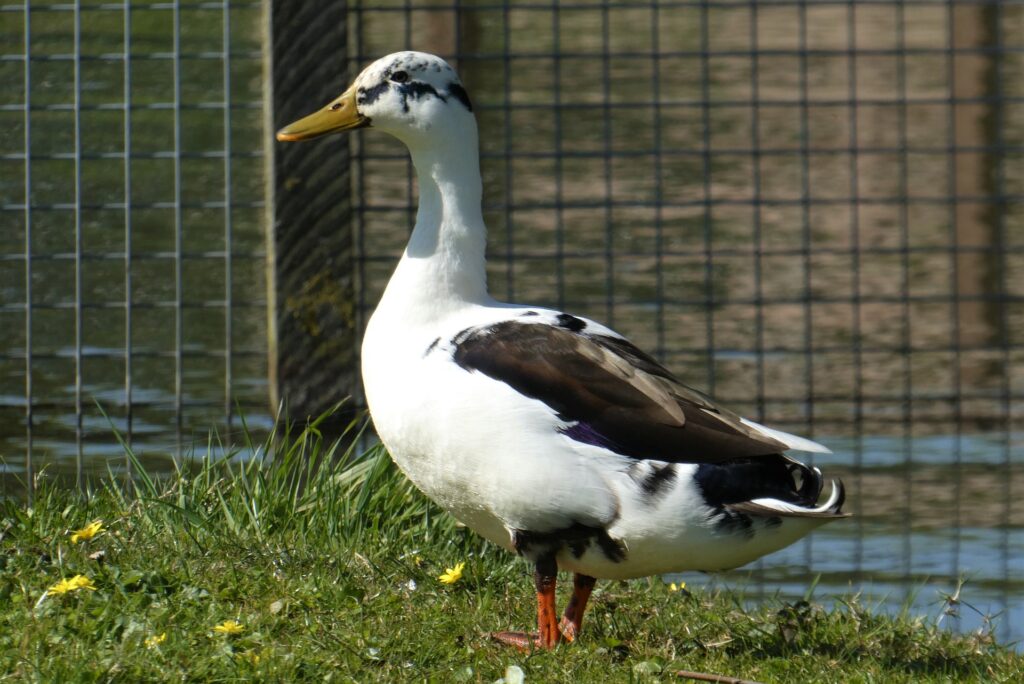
{"x": 615, "y": 389}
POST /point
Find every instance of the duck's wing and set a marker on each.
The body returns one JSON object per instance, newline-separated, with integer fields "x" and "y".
{"x": 612, "y": 394}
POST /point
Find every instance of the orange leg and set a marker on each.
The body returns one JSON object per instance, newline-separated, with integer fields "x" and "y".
{"x": 572, "y": 620}
{"x": 548, "y": 634}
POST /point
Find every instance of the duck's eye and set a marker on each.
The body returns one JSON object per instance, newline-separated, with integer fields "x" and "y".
{"x": 400, "y": 77}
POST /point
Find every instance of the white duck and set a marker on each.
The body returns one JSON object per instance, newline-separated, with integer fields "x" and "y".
{"x": 547, "y": 433}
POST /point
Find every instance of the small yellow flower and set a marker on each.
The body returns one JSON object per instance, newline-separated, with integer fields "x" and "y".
{"x": 156, "y": 640}
{"x": 229, "y": 627}
{"x": 452, "y": 575}
{"x": 677, "y": 587}
{"x": 74, "y": 584}
{"x": 87, "y": 532}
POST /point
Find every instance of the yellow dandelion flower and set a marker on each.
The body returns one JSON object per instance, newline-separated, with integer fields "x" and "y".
{"x": 156, "y": 640}
{"x": 87, "y": 532}
{"x": 677, "y": 587}
{"x": 66, "y": 586}
{"x": 229, "y": 627}
{"x": 452, "y": 575}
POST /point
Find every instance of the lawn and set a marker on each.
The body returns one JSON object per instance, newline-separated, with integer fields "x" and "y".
{"x": 301, "y": 559}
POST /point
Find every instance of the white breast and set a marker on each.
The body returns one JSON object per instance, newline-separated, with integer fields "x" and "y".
{"x": 489, "y": 455}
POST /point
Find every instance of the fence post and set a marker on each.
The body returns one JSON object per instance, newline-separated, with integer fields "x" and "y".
{"x": 310, "y": 296}
{"x": 977, "y": 258}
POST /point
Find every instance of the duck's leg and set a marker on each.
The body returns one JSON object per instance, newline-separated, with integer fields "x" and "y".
{"x": 545, "y": 577}
{"x": 572, "y": 620}
{"x": 548, "y": 635}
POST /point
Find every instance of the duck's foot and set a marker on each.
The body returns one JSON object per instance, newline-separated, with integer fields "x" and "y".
{"x": 547, "y": 635}
{"x": 568, "y": 629}
{"x": 572, "y": 620}
{"x": 524, "y": 641}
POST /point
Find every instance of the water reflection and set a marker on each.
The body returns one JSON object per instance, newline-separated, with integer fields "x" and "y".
{"x": 990, "y": 562}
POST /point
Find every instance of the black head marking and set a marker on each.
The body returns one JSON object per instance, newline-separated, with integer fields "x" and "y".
{"x": 570, "y": 322}
{"x": 529, "y": 313}
{"x": 372, "y": 94}
{"x": 416, "y": 90}
{"x": 460, "y": 94}
{"x": 405, "y": 62}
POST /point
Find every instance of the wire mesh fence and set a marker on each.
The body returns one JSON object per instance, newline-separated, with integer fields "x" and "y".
{"x": 131, "y": 238}
{"x": 810, "y": 209}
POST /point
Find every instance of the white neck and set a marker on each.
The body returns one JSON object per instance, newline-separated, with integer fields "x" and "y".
{"x": 443, "y": 266}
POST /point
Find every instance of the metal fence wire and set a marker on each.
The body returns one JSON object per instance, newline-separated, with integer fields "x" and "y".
{"x": 809, "y": 209}
{"x": 131, "y": 239}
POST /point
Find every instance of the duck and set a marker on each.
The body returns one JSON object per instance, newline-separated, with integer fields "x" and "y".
{"x": 546, "y": 432}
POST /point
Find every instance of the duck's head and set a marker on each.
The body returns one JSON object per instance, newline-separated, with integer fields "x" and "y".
{"x": 411, "y": 95}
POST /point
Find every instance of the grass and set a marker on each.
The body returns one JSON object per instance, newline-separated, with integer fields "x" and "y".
{"x": 329, "y": 559}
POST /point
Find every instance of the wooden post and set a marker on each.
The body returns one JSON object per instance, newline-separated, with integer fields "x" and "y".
{"x": 453, "y": 33}
{"x": 310, "y": 294}
{"x": 977, "y": 261}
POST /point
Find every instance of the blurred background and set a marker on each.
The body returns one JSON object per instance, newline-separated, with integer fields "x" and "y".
{"x": 810, "y": 209}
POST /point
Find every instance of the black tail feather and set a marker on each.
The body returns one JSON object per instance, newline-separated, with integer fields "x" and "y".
{"x": 838, "y": 507}
{"x": 770, "y": 477}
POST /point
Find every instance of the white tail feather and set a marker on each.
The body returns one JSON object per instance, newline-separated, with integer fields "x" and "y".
{"x": 784, "y": 507}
